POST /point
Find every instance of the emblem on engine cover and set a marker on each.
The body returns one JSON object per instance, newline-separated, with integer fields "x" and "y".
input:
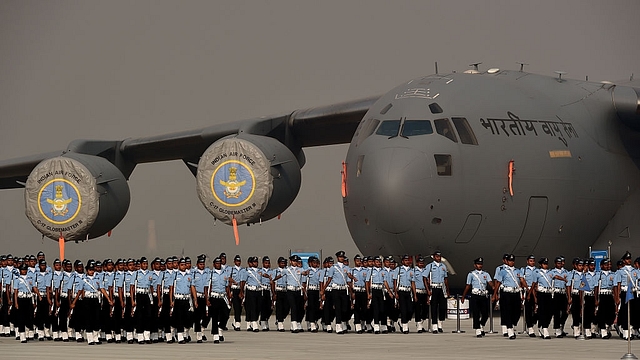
{"x": 233, "y": 183}
{"x": 59, "y": 201}
{"x": 232, "y": 186}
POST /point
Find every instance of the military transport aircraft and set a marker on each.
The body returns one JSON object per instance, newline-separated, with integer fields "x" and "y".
{"x": 467, "y": 163}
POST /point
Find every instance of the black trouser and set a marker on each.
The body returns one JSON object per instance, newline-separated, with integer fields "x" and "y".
{"x": 105, "y": 318}
{"x": 116, "y": 316}
{"x": 236, "y": 304}
{"x": 91, "y": 314}
{"x": 606, "y": 310}
{"x": 576, "y": 308}
{"x": 438, "y": 305}
{"x": 282, "y": 305}
{"x": 143, "y": 313}
{"x": 127, "y": 319}
{"x": 559, "y": 310}
{"x": 200, "y": 314}
{"x": 296, "y": 302}
{"x": 589, "y": 311}
{"x": 78, "y": 316}
{"x": 216, "y": 312}
{"x": 180, "y": 315}
{"x": 165, "y": 314}
{"x": 154, "y": 322}
{"x": 4, "y": 310}
{"x": 62, "y": 319}
{"x": 252, "y": 304}
{"x": 266, "y": 307}
{"x": 390, "y": 308}
{"x": 24, "y": 314}
{"x": 512, "y": 308}
{"x": 377, "y": 307}
{"x": 341, "y": 305}
{"x": 623, "y": 313}
{"x": 503, "y": 314}
{"x": 421, "y": 307}
{"x": 529, "y": 314}
{"x": 42, "y": 319}
{"x": 360, "y": 307}
{"x": 313, "y": 305}
{"x": 635, "y": 313}
{"x": 405, "y": 302}
{"x": 479, "y": 306}
{"x": 545, "y": 309}
{"x": 328, "y": 312}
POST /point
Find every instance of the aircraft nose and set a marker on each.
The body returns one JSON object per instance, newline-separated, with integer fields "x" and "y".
{"x": 400, "y": 187}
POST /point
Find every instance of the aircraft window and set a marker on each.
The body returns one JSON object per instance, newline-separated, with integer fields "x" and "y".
{"x": 443, "y": 164}
{"x": 389, "y": 128}
{"x": 416, "y": 127}
{"x": 444, "y": 128}
{"x": 366, "y": 128}
{"x": 359, "y": 165}
{"x": 464, "y": 131}
{"x": 385, "y": 109}
{"x": 435, "y": 108}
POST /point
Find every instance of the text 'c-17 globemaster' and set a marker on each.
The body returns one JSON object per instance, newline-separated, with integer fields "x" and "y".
{"x": 467, "y": 163}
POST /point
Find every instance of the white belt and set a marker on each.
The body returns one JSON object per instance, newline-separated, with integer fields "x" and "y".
{"x": 142, "y": 291}
{"x": 127, "y": 294}
{"x": 24, "y": 295}
{"x": 165, "y": 291}
{"x": 235, "y": 287}
{"x": 64, "y": 295}
{"x": 280, "y": 288}
{"x": 479, "y": 292}
{"x": 512, "y": 290}
{"x": 575, "y": 292}
{"x": 559, "y": 291}
{"x": 437, "y": 285}
{"x": 251, "y": 288}
{"x": 543, "y": 289}
{"x": 265, "y": 287}
{"x": 217, "y": 295}
{"x": 376, "y": 286}
{"x": 421, "y": 291}
{"x": 404, "y": 288}
{"x": 313, "y": 287}
{"x": 90, "y": 295}
{"x": 588, "y": 293}
{"x": 623, "y": 288}
{"x": 293, "y": 288}
{"x": 181, "y": 296}
{"x": 115, "y": 295}
{"x": 605, "y": 292}
{"x": 339, "y": 287}
{"x": 200, "y": 295}
{"x": 359, "y": 289}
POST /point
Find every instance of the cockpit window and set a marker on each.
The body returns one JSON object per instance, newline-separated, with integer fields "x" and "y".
{"x": 365, "y": 129}
{"x": 435, "y": 108}
{"x": 389, "y": 128}
{"x": 444, "y": 128}
{"x": 464, "y": 131}
{"x": 416, "y": 127}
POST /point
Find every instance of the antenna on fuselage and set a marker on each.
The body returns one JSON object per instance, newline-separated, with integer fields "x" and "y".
{"x": 560, "y": 73}
{"x": 475, "y": 66}
{"x": 436, "y": 68}
{"x": 631, "y": 78}
{"x": 522, "y": 64}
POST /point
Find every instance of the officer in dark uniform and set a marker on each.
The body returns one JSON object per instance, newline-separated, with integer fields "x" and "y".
{"x": 437, "y": 284}
{"x": 575, "y": 276}
{"x": 219, "y": 295}
{"x": 478, "y": 282}
{"x": 530, "y": 316}
{"x": 543, "y": 293}
{"x": 23, "y": 302}
{"x": 268, "y": 293}
{"x": 605, "y": 303}
{"x": 182, "y": 293}
{"x": 404, "y": 293}
{"x": 513, "y": 282}
{"x": 280, "y": 296}
{"x": 420, "y": 295}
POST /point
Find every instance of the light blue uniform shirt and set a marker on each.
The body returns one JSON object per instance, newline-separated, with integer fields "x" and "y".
{"x": 478, "y": 279}
{"x": 436, "y": 272}
{"x": 58, "y": 276}
{"x": 168, "y": 277}
{"x": 362, "y": 276}
{"x": 78, "y": 283}
{"x": 219, "y": 282}
{"x": 509, "y": 277}
{"x": 253, "y": 277}
{"x": 129, "y": 278}
{"x": 143, "y": 278}
{"x": 592, "y": 279}
{"x": 67, "y": 281}
{"x": 624, "y": 274}
{"x": 559, "y": 284}
{"x": 265, "y": 281}
{"x": 543, "y": 278}
{"x": 23, "y": 284}
{"x": 107, "y": 279}
{"x": 91, "y": 284}
{"x": 528, "y": 273}
{"x": 312, "y": 277}
{"x": 418, "y": 278}
{"x": 238, "y": 274}
{"x": 390, "y": 276}
{"x": 282, "y": 282}
{"x": 405, "y": 276}
{"x": 606, "y": 279}
{"x": 120, "y": 279}
{"x": 338, "y": 274}
{"x": 377, "y": 276}
{"x": 43, "y": 279}
{"x": 201, "y": 279}
{"x": 294, "y": 276}
{"x": 574, "y": 279}
{"x": 183, "y": 282}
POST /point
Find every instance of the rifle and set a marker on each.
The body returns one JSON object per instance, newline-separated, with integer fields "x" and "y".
{"x": 53, "y": 303}
{"x": 2, "y": 289}
{"x": 161, "y": 292}
{"x": 135, "y": 288}
{"x": 207, "y": 295}
{"x": 113, "y": 288}
{"x": 174, "y": 294}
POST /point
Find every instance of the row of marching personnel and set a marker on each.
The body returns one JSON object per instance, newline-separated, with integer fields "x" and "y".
{"x": 133, "y": 301}
{"x": 595, "y": 298}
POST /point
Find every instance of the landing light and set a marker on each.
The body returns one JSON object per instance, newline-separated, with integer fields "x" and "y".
{"x": 511, "y": 171}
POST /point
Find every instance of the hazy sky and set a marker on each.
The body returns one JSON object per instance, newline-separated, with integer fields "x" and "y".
{"x": 119, "y": 69}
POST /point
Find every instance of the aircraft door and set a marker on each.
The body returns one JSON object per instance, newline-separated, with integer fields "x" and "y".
{"x": 533, "y": 226}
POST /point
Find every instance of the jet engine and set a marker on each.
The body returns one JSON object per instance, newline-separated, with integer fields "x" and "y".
{"x": 627, "y": 103}
{"x": 76, "y": 196}
{"x": 247, "y": 178}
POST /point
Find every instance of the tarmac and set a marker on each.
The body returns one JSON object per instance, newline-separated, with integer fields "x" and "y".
{"x": 276, "y": 345}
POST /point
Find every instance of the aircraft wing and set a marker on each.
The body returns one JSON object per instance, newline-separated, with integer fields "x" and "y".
{"x": 326, "y": 125}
